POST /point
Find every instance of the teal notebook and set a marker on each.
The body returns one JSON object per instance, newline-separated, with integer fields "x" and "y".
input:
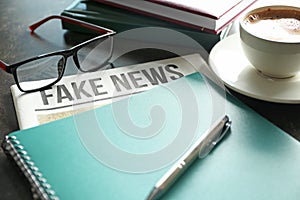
{"x": 109, "y": 154}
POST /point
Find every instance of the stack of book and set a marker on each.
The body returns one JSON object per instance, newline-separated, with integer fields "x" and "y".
{"x": 206, "y": 23}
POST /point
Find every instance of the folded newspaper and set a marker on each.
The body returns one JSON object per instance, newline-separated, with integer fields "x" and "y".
{"x": 81, "y": 92}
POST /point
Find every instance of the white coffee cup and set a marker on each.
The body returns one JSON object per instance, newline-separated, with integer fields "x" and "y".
{"x": 272, "y": 46}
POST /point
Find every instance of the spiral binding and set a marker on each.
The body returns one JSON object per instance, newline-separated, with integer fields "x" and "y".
{"x": 40, "y": 188}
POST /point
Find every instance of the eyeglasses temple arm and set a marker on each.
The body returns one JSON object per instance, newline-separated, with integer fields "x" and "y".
{"x": 87, "y": 25}
{"x": 4, "y": 66}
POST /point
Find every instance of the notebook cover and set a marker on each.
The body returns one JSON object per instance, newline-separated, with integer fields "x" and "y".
{"x": 256, "y": 161}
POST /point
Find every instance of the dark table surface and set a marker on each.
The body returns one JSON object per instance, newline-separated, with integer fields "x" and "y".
{"x": 16, "y": 43}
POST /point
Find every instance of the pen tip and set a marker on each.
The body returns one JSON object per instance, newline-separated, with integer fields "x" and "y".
{"x": 154, "y": 194}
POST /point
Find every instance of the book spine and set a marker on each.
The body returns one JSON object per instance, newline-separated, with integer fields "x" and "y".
{"x": 40, "y": 188}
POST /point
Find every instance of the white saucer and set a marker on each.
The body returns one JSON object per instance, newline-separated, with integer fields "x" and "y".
{"x": 231, "y": 65}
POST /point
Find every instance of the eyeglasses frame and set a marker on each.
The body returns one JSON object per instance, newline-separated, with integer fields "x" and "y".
{"x": 12, "y": 68}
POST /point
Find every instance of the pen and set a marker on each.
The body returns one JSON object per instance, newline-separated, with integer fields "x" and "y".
{"x": 200, "y": 148}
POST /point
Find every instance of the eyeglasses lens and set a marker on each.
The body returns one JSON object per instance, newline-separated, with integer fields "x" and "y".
{"x": 46, "y": 70}
{"x": 95, "y": 55}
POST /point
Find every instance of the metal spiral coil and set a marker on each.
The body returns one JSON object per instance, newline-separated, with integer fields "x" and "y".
{"x": 40, "y": 188}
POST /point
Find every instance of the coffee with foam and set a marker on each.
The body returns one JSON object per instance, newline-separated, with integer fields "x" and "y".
{"x": 276, "y": 24}
{"x": 270, "y": 39}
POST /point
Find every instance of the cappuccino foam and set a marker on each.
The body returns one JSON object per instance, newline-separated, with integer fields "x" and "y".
{"x": 276, "y": 25}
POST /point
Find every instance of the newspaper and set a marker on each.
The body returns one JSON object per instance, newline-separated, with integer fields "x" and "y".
{"x": 82, "y": 92}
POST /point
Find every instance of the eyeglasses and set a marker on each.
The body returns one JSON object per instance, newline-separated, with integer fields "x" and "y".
{"x": 49, "y": 68}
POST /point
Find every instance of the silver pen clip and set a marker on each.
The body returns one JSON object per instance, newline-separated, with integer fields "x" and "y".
{"x": 211, "y": 142}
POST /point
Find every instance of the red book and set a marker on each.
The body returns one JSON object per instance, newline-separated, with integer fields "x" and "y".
{"x": 206, "y": 15}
